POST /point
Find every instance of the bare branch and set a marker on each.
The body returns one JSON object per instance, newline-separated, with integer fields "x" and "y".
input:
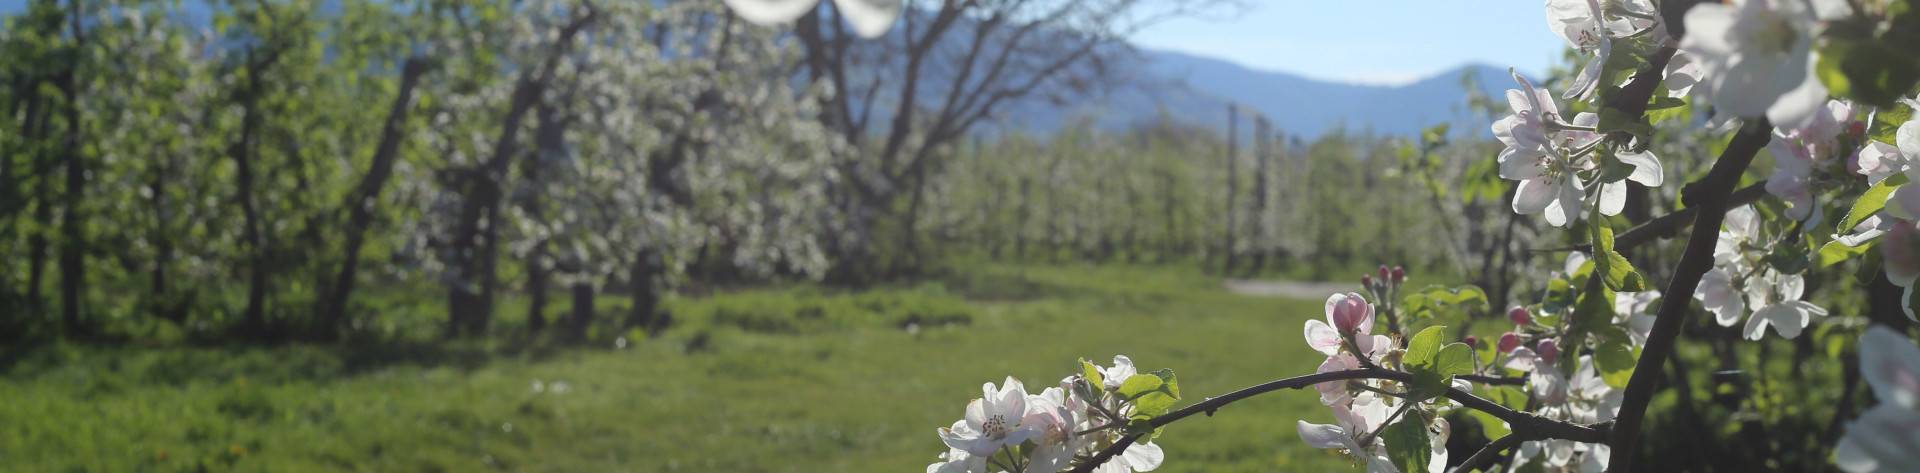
{"x": 1488, "y": 454}
{"x": 1712, "y": 196}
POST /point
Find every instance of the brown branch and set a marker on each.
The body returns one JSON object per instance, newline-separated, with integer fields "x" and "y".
{"x": 1712, "y": 196}
{"x": 1525, "y": 424}
{"x": 1487, "y": 455}
{"x": 1667, "y": 226}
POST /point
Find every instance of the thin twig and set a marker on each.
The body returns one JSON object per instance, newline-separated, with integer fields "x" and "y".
{"x": 1711, "y": 195}
{"x": 1488, "y": 454}
{"x": 1534, "y": 425}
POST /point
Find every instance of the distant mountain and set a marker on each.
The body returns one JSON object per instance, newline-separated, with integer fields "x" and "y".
{"x": 1196, "y": 90}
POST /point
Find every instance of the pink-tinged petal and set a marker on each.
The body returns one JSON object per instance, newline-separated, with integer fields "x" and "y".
{"x": 1891, "y": 364}
{"x": 977, "y": 412}
{"x": 1522, "y": 359}
{"x": 1375, "y": 346}
{"x": 1322, "y": 337}
{"x": 870, "y": 18}
{"x": 1333, "y": 392}
{"x": 1879, "y": 161}
{"x": 1333, "y": 308}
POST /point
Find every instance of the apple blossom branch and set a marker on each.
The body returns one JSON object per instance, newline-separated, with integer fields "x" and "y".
{"x": 1712, "y": 195}
{"x": 1525, "y": 424}
{"x": 1665, "y": 226}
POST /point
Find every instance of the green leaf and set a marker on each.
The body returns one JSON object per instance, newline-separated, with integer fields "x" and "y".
{"x": 1835, "y": 252}
{"x": 1871, "y": 201}
{"x": 1407, "y": 443}
{"x": 1615, "y": 359}
{"x": 1434, "y": 363}
{"x": 1454, "y": 359}
{"x": 1091, "y": 372}
{"x": 1424, "y": 346}
{"x": 1887, "y": 121}
{"x": 1151, "y": 394}
{"x": 1664, "y": 102}
{"x": 1617, "y": 271}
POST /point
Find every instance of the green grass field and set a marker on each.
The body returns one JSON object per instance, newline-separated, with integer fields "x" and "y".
{"x": 794, "y": 378}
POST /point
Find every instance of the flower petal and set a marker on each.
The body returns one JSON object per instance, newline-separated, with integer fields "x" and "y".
{"x": 870, "y": 18}
{"x": 1891, "y": 364}
{"x": 1322, "y": 337}
{"x": 769, "y": 12}
{"x": 1143, "y": 456}
{"x": 1646, "y": 168}
{"x": 1613, "y": 198}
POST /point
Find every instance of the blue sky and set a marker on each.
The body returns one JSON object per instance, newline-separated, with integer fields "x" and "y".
{"x": 1368, "y": 41}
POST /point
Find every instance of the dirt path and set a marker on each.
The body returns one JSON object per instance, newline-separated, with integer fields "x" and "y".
{"x": 1293, "y": 289}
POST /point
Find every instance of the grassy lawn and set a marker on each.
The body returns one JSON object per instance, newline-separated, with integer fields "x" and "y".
{"x": 783, "y": 379}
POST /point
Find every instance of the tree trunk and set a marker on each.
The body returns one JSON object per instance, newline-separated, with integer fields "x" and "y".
{"x": 537, "y": 275}
{"x": 360, "y": 205}
{"x": 582, "y": 311}
{"x": 482, "y": 192}
{"x": 73, "y": 243}
{"x": 646, "y": 294}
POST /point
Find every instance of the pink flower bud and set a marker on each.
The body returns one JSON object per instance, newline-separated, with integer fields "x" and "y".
{"x": 1385, "y": 274}
{"x": 1366, "y": 281}
{"x": 1349, "y": 313}
{"x": 1399, "y": 274}
{"x": 1856, "y": 128}
{"x": 1519, "y": 316}
{"x": 1471, "y": 342}
{"x": 1548, "y": 350}
{"x": 1508, "y": 342}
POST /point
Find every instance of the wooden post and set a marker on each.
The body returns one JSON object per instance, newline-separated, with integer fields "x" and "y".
{"x": 1233, "y": 169}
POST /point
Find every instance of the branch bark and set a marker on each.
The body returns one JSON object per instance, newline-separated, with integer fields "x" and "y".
{"x": 1711, "y": 195}
{"x": 1489, "y": 454}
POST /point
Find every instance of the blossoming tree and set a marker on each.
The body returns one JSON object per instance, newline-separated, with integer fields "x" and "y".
{"x": 1824, "y": 86}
